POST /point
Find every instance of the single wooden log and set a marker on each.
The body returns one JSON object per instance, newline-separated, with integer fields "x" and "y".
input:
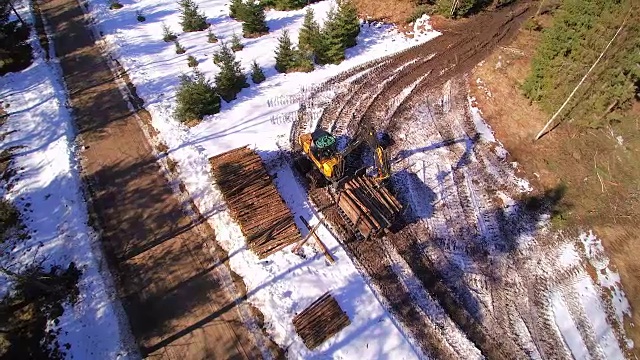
{"x": 326, "y": 252}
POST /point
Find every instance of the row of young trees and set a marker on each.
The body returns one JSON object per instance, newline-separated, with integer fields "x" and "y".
{"x": 197, "y": 96}
{"x": 320, "y": 45}
{"x": 580, "y": 32}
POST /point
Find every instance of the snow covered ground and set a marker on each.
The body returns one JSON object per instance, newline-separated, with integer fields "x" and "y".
{"x": 47, "y": 193}
{"x": 283, "y": 284}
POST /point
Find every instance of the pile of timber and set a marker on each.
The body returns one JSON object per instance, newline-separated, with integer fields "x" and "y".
{"x": 371, "y": 208}
{"x": 254, "y": 202}
{"x": 320, "y": 321}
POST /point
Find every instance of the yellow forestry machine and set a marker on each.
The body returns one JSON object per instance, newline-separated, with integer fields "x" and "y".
{"x": 364, "y": 201}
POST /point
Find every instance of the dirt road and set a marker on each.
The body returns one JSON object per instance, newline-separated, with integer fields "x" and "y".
{"x": 178, "y": 297}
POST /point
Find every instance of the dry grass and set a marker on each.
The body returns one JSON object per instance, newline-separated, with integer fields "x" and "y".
{"x": 600, "y": 174}
{"x": 391, "y": 11}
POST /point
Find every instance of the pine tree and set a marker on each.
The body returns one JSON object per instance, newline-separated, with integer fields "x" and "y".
{"x": 302, "y": 62}
{"x": 332, "y": 44}
{"x": 254, "y": 24}
{"x": 191, "y": 61}
{"x": 285, "y": 54}
{"x": 349, "y": 24}
{"x": 211, "y": 37}
{"x": 167, "y": 34}
{"x": 236, "y": 44}
{"x": 257, "y": 76}
{"x": 290, "y": 4}
{"x": 196, "y": 98}
{"x": 309, "y": 35}
{"x": 237, "y": 10}
{"x": 192, "y": 20}
{"x": 230, "y": 80}
{"x": 179, "y": 48}
{"x": 225, "y": 54}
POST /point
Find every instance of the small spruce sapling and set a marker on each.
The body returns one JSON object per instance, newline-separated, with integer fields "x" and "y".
{"x": 285, "y": 54}
{"x": 254, "y": 24}
{"x": 195, "y": 98}
{"x": 236, "y": 44}
{"x": 179, "y": 48}
{"x": 192, "y": 19}
{"x": 139, "y": 16}
{"x": 231, "y": 79}
{"x": 211, "y": 37}
{"x": 191, "y": 61}
{"x": 167, "y": 34}
{"x": 257, "y": 75}
{"x": 114, "y": 4}
{"x": 237, "y": 10}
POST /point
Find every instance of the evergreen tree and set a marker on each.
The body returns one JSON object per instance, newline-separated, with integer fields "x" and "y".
{"x": 290, "y": 4}
{"x": 230, "y": 80}
{"x": 302, "y": 62}
{"x": 257, "y": 76}
{"x": 309, "y": 36}
{"x": 179, "y": 48}
{"x": 254, "y": 21}
{"x": 211, "y": 37}
{"x": 196, "y": 98}
{"x": 237, "y": 9}
{"x": 332, "y": 43}
{"x": 225, "y": 54}
{"x": 236, "y": 44}
{"x": 167, "y": 34}
{"x": 192, "y": 20}
{"x": 349, "y": 24}
{"x": 285, "y": 54}
{"x": 191, "y": 61}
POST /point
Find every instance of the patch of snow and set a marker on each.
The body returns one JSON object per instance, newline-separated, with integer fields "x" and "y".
{"x": 607, "y": 278}
{"x": 620, "y": 140}
{"x": 47, "y": 193}
{"x": 283, "y": 284}
{"x": 568, "y": 255}
{"x": 568, "y": 328}
{"x": 481, "y": 126}
{"x": 590, "y": 300}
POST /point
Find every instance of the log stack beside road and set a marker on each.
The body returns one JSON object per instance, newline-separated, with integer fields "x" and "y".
{"x": 266, "y": 221}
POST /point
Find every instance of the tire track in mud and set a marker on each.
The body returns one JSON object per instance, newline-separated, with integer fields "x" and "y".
{"x": 370, "y": 258}
{"x": 461, "y": 52}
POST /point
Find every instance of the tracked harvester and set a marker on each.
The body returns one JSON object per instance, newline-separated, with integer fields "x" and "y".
{"x": 364, "y": 201}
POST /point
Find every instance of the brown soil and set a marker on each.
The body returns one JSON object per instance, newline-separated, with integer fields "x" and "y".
{"x": 600, "y": 174}
{"x": 174, "y": 291}
{"x": 395, "y": 11}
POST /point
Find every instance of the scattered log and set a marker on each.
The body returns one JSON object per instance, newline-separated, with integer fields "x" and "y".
{"x": 324, "y": 248}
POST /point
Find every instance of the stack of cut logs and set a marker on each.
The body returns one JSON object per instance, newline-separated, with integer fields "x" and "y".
{"x": 254, "y": 201}
{"x": 371, "y": 208}
{"x": 320, "y": 321}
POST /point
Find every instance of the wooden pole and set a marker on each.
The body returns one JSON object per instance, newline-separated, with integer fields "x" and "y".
{"x": 325, "y": 250}
{"x": 306, "y": 238}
